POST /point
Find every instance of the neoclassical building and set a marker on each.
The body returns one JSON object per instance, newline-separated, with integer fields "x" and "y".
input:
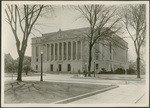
{"x": 68, "y": 51}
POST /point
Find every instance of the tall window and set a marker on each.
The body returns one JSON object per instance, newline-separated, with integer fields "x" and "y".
{"x": 69, "y": 50}
{"x": 32, "y": 53}
{"x": 74, "y": 50}
{"x": 59, "y": 67}
{"x": 96, "y": 66}
{"x": 37, "y": 53}
{"x": 56, "y": 51}
{"x": 69, "y": 67}
{"x": 79, "y": 50}
{"x": 65, "y": 51}
{"x": 52, "y": 52}
{"x": 47, "y": 52}
{"x": 60, "y": 51}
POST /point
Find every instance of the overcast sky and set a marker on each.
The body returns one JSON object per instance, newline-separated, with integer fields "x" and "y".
{"x": 62, "y": 18}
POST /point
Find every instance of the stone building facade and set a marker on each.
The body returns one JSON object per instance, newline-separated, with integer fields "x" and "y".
{"x": 67, "y": 51}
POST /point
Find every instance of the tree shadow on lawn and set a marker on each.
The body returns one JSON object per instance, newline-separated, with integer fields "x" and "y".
{"x": 45, "y": 92}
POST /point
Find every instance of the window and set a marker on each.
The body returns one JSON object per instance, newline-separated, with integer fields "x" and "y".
{"x": 51, "y": 67}
{"x": 96, "y": 66}
{"x": 37, "y": 54}
{"x": 69, "y": 67}
{"x": 36, "y": 67}
{"x": 36, "y": 59}
{"x": 97, "y": 57}
{"x": 59, "y": 67}
{"x": 37, "y": 50}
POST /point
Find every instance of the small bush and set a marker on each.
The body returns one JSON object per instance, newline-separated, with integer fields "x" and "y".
{"x": 119, "y": 71}
{"x": 103, "y": 71}
{"x": 79, "y": 72}
{"x": 131, "y": 71}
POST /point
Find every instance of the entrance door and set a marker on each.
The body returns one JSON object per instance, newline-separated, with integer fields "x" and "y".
{"x": 59, "y": 67}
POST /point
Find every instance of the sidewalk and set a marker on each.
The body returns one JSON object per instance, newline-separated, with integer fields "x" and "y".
{"x": 125, "y": 94}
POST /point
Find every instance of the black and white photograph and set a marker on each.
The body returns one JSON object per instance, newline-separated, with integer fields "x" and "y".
{"x": 75, "y": 54}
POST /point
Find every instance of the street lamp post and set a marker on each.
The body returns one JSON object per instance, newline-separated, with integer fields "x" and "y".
{"x": 41, "y": 65}
{"x": 94, "y": 69}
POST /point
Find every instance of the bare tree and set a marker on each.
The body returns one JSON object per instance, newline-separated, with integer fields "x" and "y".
{"x": 102, "y": 20}
{"x": 23, "y": 18}
{"x": 135, "y": 24}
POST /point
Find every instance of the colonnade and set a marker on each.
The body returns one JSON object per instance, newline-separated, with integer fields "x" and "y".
{"x": 55, "y": 51}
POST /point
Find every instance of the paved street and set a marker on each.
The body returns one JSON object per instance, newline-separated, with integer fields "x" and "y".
{"x": 130, "y": 91}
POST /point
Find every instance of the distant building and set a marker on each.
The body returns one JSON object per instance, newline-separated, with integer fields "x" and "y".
{"x": 68, "y": 51}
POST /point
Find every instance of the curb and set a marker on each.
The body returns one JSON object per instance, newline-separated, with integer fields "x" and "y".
{"x": 68, "y": 100}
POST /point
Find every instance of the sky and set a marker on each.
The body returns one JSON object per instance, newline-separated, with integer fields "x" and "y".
{"x": 61, "y": 18}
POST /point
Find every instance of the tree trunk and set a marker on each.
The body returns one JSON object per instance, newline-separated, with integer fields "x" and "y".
{"x": 138, "y": 66}
{"x": 90, "y": 60}
{"x": 20, "y": 65}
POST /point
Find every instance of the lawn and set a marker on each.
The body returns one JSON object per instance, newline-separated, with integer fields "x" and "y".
{"x": 45, "y": 92}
